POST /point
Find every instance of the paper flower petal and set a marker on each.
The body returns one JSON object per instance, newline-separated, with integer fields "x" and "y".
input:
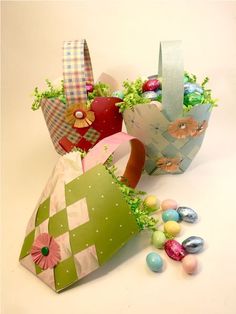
{"x": 44, "y": 240}
{"x": 169, "y": 164}
{"x": 182, "y": 128}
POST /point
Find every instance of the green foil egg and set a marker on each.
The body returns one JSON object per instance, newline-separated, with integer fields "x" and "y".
{"x": 193, "y": 99}
{"x": 158, "y": 239}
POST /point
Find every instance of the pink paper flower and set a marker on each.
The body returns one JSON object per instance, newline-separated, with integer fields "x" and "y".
{"x": 200, "y": 129}
{"x": 182, "y": 128}
{"x": 45, "y": 251}
{"x": 169, "y": 164}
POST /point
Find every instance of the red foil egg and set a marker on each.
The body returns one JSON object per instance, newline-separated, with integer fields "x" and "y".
{"x": 89, "y": 87}
{"x": 151, "y": 85}
{"x": 175, "y": 250}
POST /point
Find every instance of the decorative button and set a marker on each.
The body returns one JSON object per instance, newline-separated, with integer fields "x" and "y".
{"x": 79, "y": 114}
{"x": 45, "y": 251}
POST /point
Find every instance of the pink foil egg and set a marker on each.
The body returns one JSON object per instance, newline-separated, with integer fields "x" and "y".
{"x": 190, "y": 264}
{"x": 151, "y": 85}
{"x": 169, "y": 204}
{"x": 89, "y": 87}
{"x": 174, "y": 250}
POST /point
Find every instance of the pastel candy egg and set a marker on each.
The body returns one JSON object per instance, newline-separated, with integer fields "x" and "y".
{"x": 154, "y": 261}
{"x": 172, "y": 228}
{"x": 190, "y": 264}
{"x": 150, "y": 95}
{"x": 187, "y": 214}
{"x": 193, "y": 244}
{"x": 170, "y": 214}
{"x": 118, "y": 93}
{"x": 174, "y": 250}
{"x": 151, "y": 85}
{"x": 152, "y": 202}
{"x": 169, "y": 204}
{"x": 158, "y": 239}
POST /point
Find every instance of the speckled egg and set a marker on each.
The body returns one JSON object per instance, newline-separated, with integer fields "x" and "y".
{"x": 158, "y": 239}
{"x": 154, "y": 261}
{"x": 172, "y": 228}
{"x": 170, "y": 214}
{"x": 190, "y": 264}
{"x": 169, "y": 204}
{"x": 152, "y": 202}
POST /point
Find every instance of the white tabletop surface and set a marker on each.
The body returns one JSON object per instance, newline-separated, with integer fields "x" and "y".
{"x": 123, "y": 38}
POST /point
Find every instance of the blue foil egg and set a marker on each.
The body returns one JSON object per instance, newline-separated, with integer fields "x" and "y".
{"x": 118, "y": 93}
{"x": 191, "y": 88}
{"x": 193, "y": 244}
{"x": 154, "y": 261}
{"x": 170, "y": 215}
{"x": 159, "y": 95}
{"x": 187, "y": 214}
{"x": 150, "y": 95}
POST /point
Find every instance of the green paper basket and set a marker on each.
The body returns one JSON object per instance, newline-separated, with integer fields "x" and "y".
{"x": 84, "y": 215}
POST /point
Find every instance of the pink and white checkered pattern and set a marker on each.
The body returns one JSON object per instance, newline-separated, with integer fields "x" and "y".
{"x": 54, "y": 114}
{"x": 77, "y": 70}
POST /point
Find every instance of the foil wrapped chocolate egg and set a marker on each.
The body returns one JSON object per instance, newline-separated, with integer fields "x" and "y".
{"x": 187, "y": 214}
{"x": 193, "y": 99}
{"x": 193, "y": 244}
{"x": 150, "y": 95}
{"x": 89, "y": 87}
{"x": 151, "y": 85}
{"x": 159, "y": 95}
{"x": 118, "y": 94}
{"x": 174, "y": 250}
{"x": 191, "y": 88}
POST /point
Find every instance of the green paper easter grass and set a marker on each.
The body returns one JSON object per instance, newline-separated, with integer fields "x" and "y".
{"x": 53, "y": 92}
{"x": 133, "y": 94}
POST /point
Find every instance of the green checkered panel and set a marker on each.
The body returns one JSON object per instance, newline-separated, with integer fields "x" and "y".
{"x": 96, "y": 223}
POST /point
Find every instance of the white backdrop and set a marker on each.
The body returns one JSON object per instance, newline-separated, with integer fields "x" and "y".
{"x": 123, "y": 38}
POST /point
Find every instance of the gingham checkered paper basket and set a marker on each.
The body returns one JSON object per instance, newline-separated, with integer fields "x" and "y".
{"x": 106, "y": 119}
{"x": 171, "y": 136}
{"x": 81, "y": 219}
